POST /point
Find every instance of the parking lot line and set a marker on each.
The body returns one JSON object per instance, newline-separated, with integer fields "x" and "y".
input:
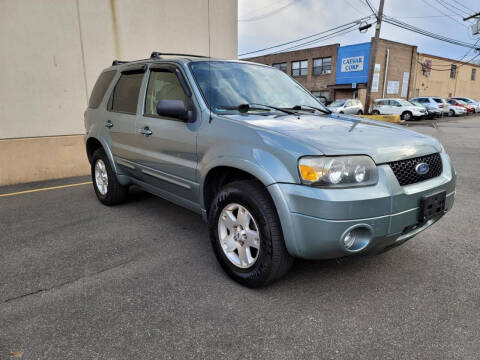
{"x": 44, "y": 189}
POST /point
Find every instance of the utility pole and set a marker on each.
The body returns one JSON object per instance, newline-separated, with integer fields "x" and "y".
{"x": 373, "y": 52}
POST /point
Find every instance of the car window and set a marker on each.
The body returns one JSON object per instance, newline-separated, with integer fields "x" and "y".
{"x": 394, "y": 103}
{"x": 100, "y": 88}
{"x": 125, "y": 94}
{"x": 349, "y": 103}
{"x": 338, "y": 103}
{"x": 162, "y": 85}
{"x": 437, "y": 100}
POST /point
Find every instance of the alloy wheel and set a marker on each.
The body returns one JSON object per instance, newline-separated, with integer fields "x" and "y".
{"x": 101, "y": 177}
{"x": 239, "y": 235}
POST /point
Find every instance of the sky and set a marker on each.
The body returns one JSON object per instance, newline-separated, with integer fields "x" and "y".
{"x": 263, "y": 23}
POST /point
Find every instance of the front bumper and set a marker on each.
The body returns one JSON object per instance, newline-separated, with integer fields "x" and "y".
{"x": 314, "y": 220}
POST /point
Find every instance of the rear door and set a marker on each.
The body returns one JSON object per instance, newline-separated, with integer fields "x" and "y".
{"x": 395, "y": 108}
{"x": 166, "y": 147}
{"x": 121, "y": 116}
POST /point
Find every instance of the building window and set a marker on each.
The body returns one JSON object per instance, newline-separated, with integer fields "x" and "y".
{"x": 322, "y": 66}
{"x": 474, "y": 74}
{"x": 281, "y": 66}
{"x": 323, "y": 95}
{"x": 453, "y": 71}
{"x": 300, "y": 68}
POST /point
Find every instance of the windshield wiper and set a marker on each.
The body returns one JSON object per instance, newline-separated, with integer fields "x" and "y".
{"x": 299, "y": 107}
{"x": 244, "y": 108}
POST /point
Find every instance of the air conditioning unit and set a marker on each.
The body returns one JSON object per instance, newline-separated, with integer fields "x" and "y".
{"x": 324, "y": 72}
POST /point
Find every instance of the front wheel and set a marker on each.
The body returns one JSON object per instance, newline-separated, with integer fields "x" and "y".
{"x": 375, "y": 112}
{"x": 107, "y": 188}
{"x": 359, "y": 112}
{"x": 407, "y": 116}
{"x": 451, "y": 112}
{"x": 246, "y": 234}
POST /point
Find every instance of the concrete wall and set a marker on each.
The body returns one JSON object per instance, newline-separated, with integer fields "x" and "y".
{"x": 439, "y": 83}
{"x": 53, "y": 51}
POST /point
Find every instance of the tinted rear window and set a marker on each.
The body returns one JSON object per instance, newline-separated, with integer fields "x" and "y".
{"x": 125, "y": 95}
{"x": 100, "y": 88}
{"x": 437, "y": 100}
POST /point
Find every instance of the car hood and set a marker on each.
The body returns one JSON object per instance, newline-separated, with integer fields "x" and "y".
{"x": 338, "y": 134}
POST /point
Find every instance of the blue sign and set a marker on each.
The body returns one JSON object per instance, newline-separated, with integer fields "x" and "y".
{"x": 352, "y": 63}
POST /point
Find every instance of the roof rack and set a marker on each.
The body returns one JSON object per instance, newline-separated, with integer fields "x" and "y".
{"x": 156, "y": 55}
{"x": 118, "y": 62}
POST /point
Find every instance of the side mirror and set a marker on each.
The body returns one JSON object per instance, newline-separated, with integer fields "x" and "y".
{"x": 174, "y": 109}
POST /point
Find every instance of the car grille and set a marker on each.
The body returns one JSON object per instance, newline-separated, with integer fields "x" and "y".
{"x": 405, "y": 171}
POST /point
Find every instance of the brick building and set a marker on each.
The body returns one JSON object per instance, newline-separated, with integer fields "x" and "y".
{"x": 399, "y": 71}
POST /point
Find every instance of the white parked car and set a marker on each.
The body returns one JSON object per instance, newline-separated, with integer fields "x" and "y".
{"x": 454, "y": 110}
{"x": 402, "y": 107}
{"x": 347, "y": 106}
{"x": 471, "y": 102}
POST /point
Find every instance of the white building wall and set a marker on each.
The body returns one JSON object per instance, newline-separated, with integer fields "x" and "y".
{"x": 53, "y": 52}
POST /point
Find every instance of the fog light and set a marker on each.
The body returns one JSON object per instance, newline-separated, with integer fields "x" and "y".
{"x": 357, "y": 238}
{"x": 349, "y": 239}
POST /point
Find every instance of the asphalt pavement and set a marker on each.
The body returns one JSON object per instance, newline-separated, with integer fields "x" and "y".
{"x": 79, "y": 280}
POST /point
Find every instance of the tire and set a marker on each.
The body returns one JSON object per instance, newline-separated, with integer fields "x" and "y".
{"x": 359, "y": 112}
{"x": 451, "y": 113}
{"x": 265, "y": 265}
{"x": 341, "y": 112}
{"x": 407, "y": 116}
{"x": 113, "y": 193}
{"x": 375, "y": 112}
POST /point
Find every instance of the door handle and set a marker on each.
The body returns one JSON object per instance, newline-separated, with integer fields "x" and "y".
{"x": 145, "y": 131}
{"x": 108, "y": 124}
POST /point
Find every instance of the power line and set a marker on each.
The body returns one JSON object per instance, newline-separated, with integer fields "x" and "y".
{"x": 314, "y": 41}
{"x": 306, "y": 37}
{"x": 401, "y": 24}
{"x": 273, "y": 12}
{"x": 450, "y": 7}
{"x": 466, "y": 7}
{"x": 370, "y": 6}
{"x": 469, "y": 62}
{"x": 441, "y": 11}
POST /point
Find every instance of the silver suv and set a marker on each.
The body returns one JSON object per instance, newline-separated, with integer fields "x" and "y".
{"x": 434, "y": 105}
{"x": 273, "y": 172}
{"x": 347, "y": 106}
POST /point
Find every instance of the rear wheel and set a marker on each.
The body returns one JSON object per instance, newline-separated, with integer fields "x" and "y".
{"x": 407, "y": 116}
{"x": 375, "y": 112}
{"x": 107, "y": 188}
{"x": 451, "y": 112}
{"x": 359, "y": 112}
{"x": 246, "y": 234}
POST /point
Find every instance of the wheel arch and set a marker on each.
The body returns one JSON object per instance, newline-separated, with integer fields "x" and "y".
{"x": 93, "y": 143}
{"x": 220, "y": 175}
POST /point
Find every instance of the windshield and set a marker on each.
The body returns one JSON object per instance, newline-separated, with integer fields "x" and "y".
{"x": 338, "y": 103}
{"x": 404, "y": 102}
{"x": 229, "y": 84}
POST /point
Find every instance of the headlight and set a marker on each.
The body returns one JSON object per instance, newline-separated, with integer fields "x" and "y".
{"x": 337, "y": 171}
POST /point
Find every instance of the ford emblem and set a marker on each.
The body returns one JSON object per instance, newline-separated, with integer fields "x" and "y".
{"x": 422, "y": 168}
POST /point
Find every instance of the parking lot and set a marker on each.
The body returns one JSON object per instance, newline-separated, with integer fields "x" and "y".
{"x": 79, "y": 280}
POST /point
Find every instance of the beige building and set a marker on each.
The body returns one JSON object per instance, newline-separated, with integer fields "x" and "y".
{"x": 445, "y": 77}
{"x": 53, "y": 51}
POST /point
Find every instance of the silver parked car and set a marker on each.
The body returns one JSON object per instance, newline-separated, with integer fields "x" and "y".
{"x": 434, "y": 105}
{"x": 347, "y": 106}
{"x": 273, "y": 173}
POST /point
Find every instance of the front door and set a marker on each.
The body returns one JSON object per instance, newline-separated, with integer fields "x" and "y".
{"x": 166, "y": 146}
